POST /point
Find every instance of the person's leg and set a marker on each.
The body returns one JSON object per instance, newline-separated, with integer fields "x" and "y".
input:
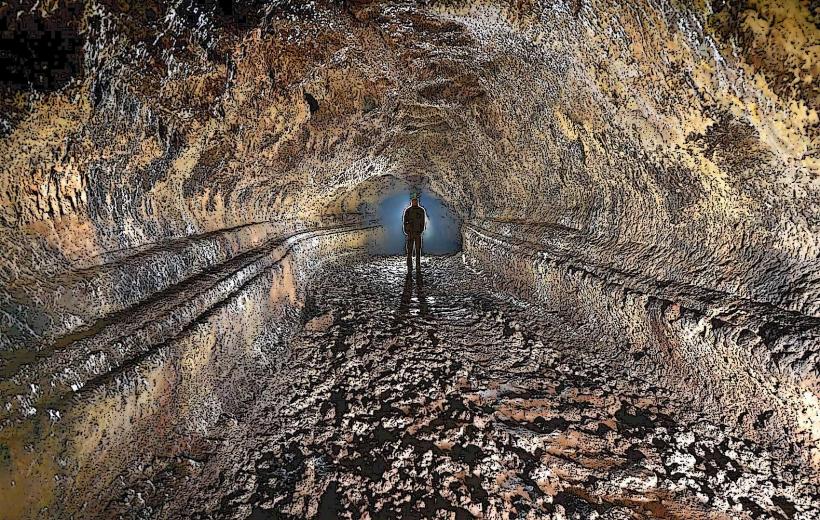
{"x": 408, "y": 247}
{"x": 418, "y": 252}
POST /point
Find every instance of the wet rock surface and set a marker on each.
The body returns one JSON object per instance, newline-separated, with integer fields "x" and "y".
{"x": 645, "y": 169}
{"x": 431, "y": 396}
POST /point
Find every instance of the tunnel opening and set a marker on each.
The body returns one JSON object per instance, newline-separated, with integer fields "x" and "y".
{"x": 381, "y": 201}
{"x": 442, "y": 233}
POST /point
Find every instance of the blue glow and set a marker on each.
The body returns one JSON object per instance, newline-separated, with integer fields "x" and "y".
{"x": 442, "y": 234}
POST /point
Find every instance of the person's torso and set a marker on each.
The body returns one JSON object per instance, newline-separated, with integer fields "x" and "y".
{"x": 414, "y": 218}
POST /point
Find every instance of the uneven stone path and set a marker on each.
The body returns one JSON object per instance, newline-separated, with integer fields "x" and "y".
{"x": 434, "y": 398}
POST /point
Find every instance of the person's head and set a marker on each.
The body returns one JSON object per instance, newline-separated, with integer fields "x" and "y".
{"x": 414, "y": 198}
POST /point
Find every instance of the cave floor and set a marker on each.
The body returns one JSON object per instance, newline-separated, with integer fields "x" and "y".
{"x": 435, "y": 398}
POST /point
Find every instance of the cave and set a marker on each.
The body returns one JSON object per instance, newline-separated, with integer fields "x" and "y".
{"x": 205, "y": 310}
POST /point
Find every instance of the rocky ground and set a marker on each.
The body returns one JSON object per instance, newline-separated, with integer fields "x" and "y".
{"x": 430, "y": 397}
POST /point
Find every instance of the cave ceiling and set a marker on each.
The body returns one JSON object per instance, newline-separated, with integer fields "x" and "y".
{"x": 659, "y": 122}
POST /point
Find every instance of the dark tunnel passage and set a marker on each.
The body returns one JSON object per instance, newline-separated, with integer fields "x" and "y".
{"x": 205, "y": 311}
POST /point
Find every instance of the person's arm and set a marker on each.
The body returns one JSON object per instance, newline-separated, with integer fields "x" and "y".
{"x": 423, "y": 219}
{"x": 406, "y": 222}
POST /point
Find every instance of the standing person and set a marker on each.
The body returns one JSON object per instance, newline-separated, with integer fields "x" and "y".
{"x": 414, "y": 220}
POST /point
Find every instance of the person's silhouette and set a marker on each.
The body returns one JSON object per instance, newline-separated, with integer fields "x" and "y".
{"x": 415, "y": 219}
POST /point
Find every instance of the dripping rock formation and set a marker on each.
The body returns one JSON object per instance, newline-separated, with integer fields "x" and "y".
{"x": 200, "y": 316}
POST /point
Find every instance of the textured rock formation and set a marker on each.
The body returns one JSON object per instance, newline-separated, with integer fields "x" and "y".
{"x": 384, "y": 407}
{"x": 651, "y": 165}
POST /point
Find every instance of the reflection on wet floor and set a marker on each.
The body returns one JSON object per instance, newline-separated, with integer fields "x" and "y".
{"x": 457, "y": 404}
{"x": 414, "y": 295}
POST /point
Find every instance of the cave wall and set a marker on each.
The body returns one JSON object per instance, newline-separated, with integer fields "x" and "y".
{"x": 685, "y": 126}
{"x": 166, "y": 379}
{"x": 668, "y": 144}
{"x": 752, "y": 367}
{"x": 665, "y": 137}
